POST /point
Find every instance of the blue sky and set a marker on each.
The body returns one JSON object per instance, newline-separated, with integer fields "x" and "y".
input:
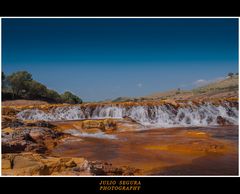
{"x": 99, "y": 59}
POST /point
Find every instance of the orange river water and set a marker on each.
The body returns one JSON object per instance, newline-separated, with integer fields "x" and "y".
{"x": 163, "y": 151}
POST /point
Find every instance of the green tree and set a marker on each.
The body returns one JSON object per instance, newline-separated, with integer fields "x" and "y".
{"x": 3, "y": 76}
{"x": 3, "y": 80}
{"x": 36, "y": 90}
{"x": 70, "y": 98}
{"x": 19, "y": 82}
{"x": 53, "y": 96}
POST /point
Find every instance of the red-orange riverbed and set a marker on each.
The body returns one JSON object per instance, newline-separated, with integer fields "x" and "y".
{"x": 167, "y": 151}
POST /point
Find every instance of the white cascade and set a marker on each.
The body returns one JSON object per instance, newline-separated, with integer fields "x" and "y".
{"x": 161, "y": 116}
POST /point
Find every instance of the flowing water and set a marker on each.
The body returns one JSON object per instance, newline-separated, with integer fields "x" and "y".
{"x": 158, "y": 116}
{"x": 175, "y": 151}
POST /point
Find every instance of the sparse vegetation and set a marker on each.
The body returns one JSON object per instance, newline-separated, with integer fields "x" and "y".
{"x": 122, "y": 99}
{"x": 178, "y": 91}
{"x": 230, "y": 74}
{"x": 225, "y": 87}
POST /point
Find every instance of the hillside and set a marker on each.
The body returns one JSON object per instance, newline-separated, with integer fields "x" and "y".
{"x": 219, "y": 89}
{"x": 228, "y": 84}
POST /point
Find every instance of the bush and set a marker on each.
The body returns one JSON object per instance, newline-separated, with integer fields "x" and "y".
{"x": 53, "y": 96}
{"x": 36, "y": 90}
{"x": 3, "y": 80}
{"x": 68, "y": 97}
{"x": 8, "y": 96}
{"x": 230, "y": 74}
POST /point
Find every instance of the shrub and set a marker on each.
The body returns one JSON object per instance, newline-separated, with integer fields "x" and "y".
{"x": 230, "y": 74}
{"x": 3, "y": 79}
{"x": 70, "y": 98}
{"x": 53, "y": 96}
{"x": 36, "y": 90}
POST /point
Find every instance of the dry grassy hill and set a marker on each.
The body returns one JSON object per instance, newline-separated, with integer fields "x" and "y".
{"x": 228, "y": 84}
{"x": 219, "y": 89}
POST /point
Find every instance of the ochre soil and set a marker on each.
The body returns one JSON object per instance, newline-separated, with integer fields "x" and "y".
{"x": 23, "y": 102}
{"x": 171, "y": 151}
{"x": 19, "y": 105}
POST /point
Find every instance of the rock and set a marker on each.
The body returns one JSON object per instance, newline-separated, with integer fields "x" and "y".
{"x": 232, "y": 102}
{"x": 8, "y": 130}
{"x": 23, "y": 164}
{"x": 53, "y": 164}
{"x": 12, "y": 122}
{"x": 104, "y": 168}
{"x": 110, "y": 124}
{"x": 13, "y": 146}
{"x": 50, "y": 143}
{"x": 77, "y": 169}
{"x": 92, "y": 130}
{"x": 127, "y": 118}
{"x": 20, "y": 161}
{"x": 6, "y": 164}
{"x": 130, "y": 171}
{"x": 29, "y": 139}
{"x": 87, "y": 124}
{"x": 70, "y": 164}
{"x": 36, "y": 147}
{"x": 171, "y": 102}
{"x": 97, "y": 168}
{"x": 222, "y": 121}
{"x": 31, "y": 123}
{"x": 9, "y": 111}
{"x": 36, "y": 164}
{"x": 36, "y": 134}
{"x": 103, "y": 125}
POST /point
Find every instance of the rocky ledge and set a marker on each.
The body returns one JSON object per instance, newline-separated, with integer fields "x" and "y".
{"x": 27, "y": 146}
{"x": 30, "y": 164}
{"x": 13, "y": 110}
{"x": 37, "y": 139}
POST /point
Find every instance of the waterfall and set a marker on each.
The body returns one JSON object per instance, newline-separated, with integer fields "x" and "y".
{"x": 160, "y": 116}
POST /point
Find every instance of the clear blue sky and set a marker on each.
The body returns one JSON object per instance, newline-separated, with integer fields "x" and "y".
{"x": 99, "y": 59}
